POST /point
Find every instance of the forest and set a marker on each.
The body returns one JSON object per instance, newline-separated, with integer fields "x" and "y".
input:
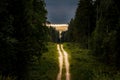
{"x": 24, "y": 36}
{"x": 96, "y": 27}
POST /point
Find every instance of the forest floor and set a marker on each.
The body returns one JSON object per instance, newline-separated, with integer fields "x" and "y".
{"x": 47, "y": 67}
{"x": 53, "y": 65}
{"x": 85, "y": 66}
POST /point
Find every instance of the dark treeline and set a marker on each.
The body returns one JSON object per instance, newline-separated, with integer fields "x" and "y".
{"x": 22, "y": 35}
{"x": 96, "y": 26}
{"x": 54, "y": 35}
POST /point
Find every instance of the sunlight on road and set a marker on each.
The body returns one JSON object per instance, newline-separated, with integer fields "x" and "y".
{"x": 60, "y": 62}
{"x": 63, "y": 54}
{"x": 66, "y": 63}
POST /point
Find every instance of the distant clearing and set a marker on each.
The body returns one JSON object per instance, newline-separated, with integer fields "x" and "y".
{"x": 59, "y": 27}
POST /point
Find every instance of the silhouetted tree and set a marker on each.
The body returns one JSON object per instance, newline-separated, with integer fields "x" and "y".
{"x": 22, "y": 35}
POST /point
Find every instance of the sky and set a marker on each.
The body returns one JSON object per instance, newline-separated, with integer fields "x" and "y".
{"x": 61, "y": 11}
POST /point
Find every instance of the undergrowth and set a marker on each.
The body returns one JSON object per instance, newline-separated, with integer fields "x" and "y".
{"x": 85, "y": 66}
{"x": 46, "y": 68}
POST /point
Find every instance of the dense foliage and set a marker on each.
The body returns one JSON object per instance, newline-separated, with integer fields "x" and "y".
{"x": 96, "y": 26}
{"x": 54, "y": 35}
{"x": 22, "y": 34}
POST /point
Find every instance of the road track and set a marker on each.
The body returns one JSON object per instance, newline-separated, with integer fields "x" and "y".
{"x": 63, "y": 60}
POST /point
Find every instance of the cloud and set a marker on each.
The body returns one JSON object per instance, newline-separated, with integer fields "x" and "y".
{"x": 61, "y": 15}
{"x": 61, "y": 11}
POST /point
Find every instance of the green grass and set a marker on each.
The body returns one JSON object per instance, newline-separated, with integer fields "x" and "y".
{"x": 47, "y": 67}
{"x": 84, "y": 66}
{"x": 7, "y": 78}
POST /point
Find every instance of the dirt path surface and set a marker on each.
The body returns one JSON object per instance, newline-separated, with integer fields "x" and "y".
{"x": 60, "y": 58}
{"x": 63, "y": 59}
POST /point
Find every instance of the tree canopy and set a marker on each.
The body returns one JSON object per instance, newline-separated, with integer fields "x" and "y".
{"x": 22, "y": 34}
{"x": 96, "y": 26}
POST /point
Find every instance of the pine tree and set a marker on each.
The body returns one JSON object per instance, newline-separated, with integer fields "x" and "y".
{"x": 22, "y": 35}
{"x": 84, "y": 21}
{"x": 104, "y": 39}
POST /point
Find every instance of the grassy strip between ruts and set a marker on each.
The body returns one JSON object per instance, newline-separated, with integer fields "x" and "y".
{"x": 47, "y": 67}
{"x": 84, "y": 66}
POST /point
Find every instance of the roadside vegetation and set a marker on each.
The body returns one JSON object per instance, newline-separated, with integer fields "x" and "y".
{"x": 85, "y": 66}
{"x": 94, "y": 39}
{"x": 45, "y": 68}
{"x": 22, "y": 35}
{"x": 7, "y": 78}
{"x": 96, "y": 26}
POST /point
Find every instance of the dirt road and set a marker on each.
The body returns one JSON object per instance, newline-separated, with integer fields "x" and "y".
{"x": 63, "y": 60}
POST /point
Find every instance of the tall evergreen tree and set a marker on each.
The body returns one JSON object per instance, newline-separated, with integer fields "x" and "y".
{"x": 22, "y": 34}
{"x": 105, "y": 34}
{"x": 84, "y": 21}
